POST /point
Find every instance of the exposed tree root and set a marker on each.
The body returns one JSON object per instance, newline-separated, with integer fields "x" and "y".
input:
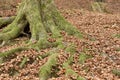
{"x": 98, "y": 7}
{"x": 12, "y": 51}
{"x": 23, "y": 62}
{"x": 43, "y": 18}
{"x": 45, "y": 70}
{"x": 6, "y": 20}
{"x": 70, "y": 72}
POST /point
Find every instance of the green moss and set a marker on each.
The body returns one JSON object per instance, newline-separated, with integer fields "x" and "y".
{"x": 12, "y": 51}
{"x": 81, "y": 78}
{"x": 23, "y": 62}
{"x": 71, "y": 48}
{"x": 117, "y": 35}
{"x": 71, "y": 72}
{"x": 61, "y": 46}
{"x": 54, "y": 50}
{"x": 6, "y": 20}
{"x": 98, "y": 6}
{"x": 56, "y": 34}
{"x": 83, "y": 57}
{"x": 59, "y": 21}
{"x": 42, "y": 17}
{"x": 39, "y": 57}
{"x": 116, "y": 72}
{"x": 44, "y": 55}
{"x": 12, "y": 31}
{"x": 45, "y": 70}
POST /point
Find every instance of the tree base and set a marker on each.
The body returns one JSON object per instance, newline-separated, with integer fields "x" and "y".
{"x": 43, "y": 18}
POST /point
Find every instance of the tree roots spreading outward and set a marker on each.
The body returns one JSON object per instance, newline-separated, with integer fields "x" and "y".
{"x": 43, "y": 18}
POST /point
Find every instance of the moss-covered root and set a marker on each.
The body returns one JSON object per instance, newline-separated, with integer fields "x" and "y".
{"x": 15, "y": 28}
{"x": 8, "y": 34}
{"x": 98, "y": 7}
{"x": 54, "y": 21}
{"x": 23, "y": 62}
{"x": 66, "y": 65}
{"x": 45, "y": 70}
{"x": 63, "y": 24}
{"x": 70, "y": 72}
{"x": 6, "y": 20}
{"x": 12, "y": 51}
{"x": 116, "y": 72}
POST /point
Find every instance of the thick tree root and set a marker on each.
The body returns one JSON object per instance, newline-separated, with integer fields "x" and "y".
{"x": 6, "y": 20}
{"x": 66, "y": 65}
{"x": 42, "y": 17}
{"x": 45, "y": 70}
{"x": 70, "y": 72}
{"x": 10, "y": 52}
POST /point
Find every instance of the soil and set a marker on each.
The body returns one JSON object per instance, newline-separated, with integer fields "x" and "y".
{"x": 101, "y": 41}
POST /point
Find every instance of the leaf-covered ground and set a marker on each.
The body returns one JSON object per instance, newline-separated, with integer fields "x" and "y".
{"x": 97, "y": 56}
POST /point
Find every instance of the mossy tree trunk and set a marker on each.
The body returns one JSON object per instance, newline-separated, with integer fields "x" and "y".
{"x": 43, "y": 18}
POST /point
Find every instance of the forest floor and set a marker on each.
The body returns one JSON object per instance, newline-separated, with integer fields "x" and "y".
{"x": 101, "y": 41}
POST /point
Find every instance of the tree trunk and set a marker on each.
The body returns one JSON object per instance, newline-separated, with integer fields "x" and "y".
{"x": 43, "y": 18}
